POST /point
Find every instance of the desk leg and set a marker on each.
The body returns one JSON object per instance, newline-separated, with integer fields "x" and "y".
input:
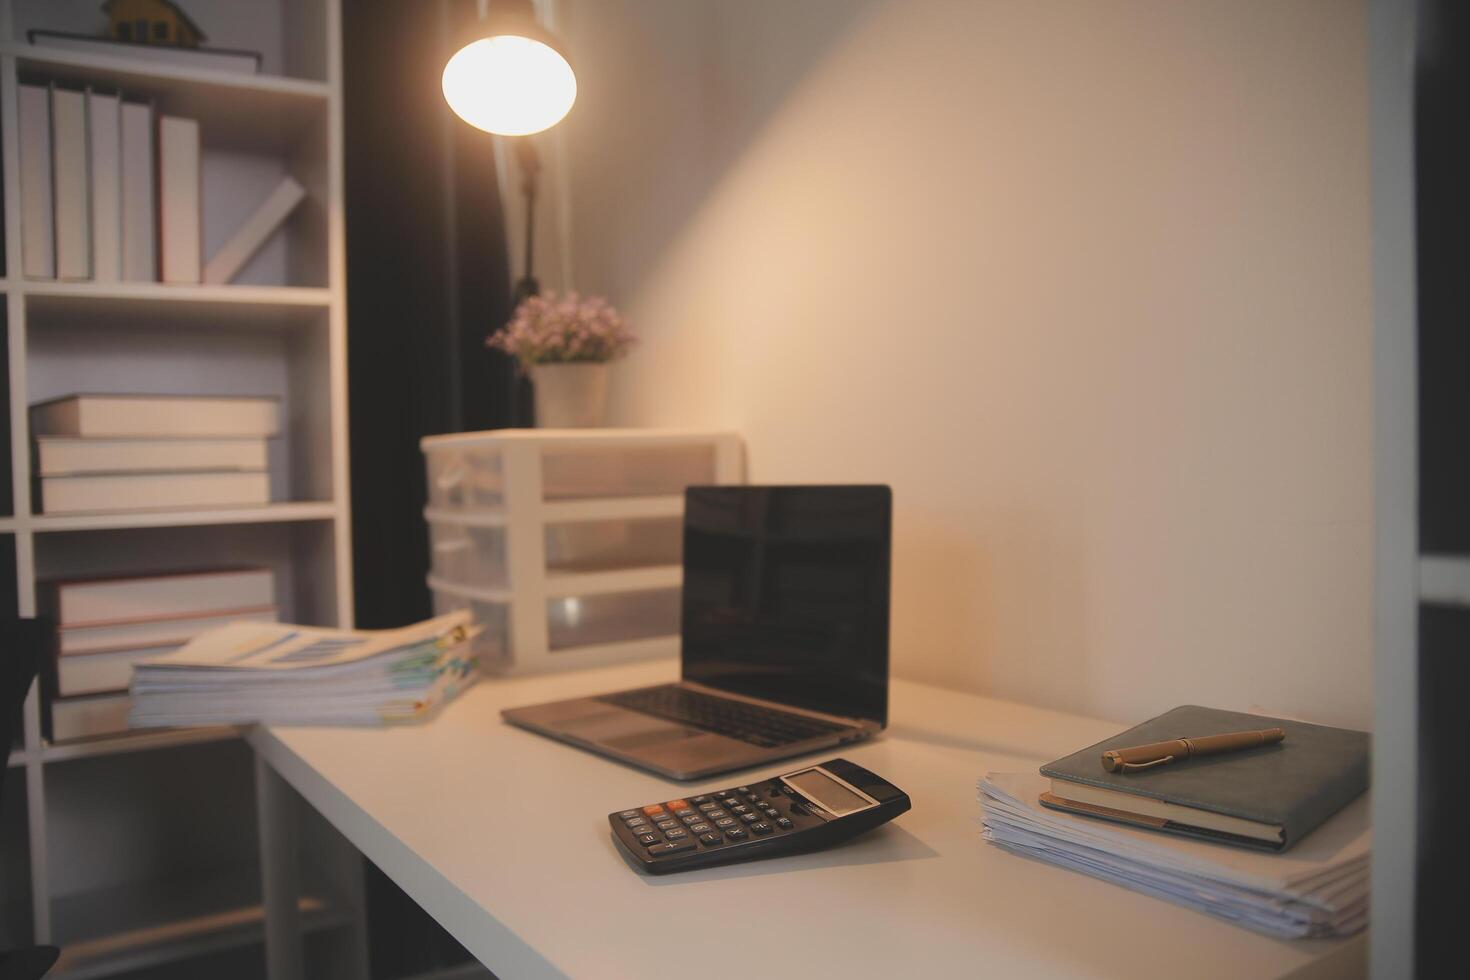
{"x": 279, "y": 873}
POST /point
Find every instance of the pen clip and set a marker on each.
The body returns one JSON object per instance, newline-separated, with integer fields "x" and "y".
{"x": 1135, "y": 766}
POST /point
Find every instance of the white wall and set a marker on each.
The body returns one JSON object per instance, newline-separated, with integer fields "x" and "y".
{"x": 1086, "y": 282}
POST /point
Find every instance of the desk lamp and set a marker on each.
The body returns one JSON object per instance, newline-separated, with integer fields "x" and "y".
{"x": 513, "y": 80}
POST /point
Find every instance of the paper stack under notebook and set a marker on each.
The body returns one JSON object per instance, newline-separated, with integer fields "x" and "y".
{"x": 298, "y": 675}
{"x": 1274, "y": 838}
{"x": 106, "y": 453}
{"x": 105, "y": 626}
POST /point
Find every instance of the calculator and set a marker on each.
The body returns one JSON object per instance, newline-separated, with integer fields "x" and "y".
{"x": 803, "y": 810}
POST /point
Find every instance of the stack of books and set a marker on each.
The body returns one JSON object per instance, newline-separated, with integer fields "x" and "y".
{"x": 107, "y": 453}
{"x": 112, "y": 191}
{"x": 1274, "y": 838}
{"x": 105, "y": 626}
{"x": 247, "y": 673}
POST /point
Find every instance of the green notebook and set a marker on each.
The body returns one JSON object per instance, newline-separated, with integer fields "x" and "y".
{"x": 1268, "y": 797}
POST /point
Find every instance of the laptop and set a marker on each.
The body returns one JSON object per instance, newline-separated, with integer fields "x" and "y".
{"x": 784, "y": 637}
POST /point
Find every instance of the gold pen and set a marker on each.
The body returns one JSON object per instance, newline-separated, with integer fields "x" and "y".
{"x": 1160, "y": 753}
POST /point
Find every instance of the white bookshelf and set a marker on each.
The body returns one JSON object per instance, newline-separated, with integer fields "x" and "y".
{"x": 279, "y": 330}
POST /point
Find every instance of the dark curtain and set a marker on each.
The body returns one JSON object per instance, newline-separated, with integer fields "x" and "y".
{"x": 1442, "y": 191}
{"x": 427, "y": 279}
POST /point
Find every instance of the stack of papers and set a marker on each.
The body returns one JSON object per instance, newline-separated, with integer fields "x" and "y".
{"x": 278, "y": 674}
{"x": 1317, "y": 888}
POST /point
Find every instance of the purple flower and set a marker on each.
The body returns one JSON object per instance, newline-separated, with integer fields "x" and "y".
{"x": 548, "y": 330}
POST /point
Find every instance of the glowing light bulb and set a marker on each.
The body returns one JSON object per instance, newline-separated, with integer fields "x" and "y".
{"x": 510, "y": 85}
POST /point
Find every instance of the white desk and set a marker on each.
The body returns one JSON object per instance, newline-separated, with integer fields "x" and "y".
{"x": 501, "y": 835}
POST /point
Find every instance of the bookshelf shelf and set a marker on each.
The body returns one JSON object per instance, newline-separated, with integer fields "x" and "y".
{"x": 126, "y": 303}
{"x": 92, "y": 67}
{"x": 104, "y": 847}
{"x": 243, "y": 111}
{"x": 275, "y": 513}
{"x": 147, "y": 924}
{"x": 135, "y": 742}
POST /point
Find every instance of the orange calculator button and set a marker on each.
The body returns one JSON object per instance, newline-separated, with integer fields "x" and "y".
{"x": 677, "y": 805}
{"x": 654, "y": 810}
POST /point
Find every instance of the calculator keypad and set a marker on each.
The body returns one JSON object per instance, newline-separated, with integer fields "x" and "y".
{"x": 715, "y": 820}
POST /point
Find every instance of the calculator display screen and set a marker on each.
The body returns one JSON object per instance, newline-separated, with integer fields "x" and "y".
{"x": 826, "y": 792}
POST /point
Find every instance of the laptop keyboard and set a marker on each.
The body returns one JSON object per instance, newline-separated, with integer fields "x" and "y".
{"x": 763, "y": 727}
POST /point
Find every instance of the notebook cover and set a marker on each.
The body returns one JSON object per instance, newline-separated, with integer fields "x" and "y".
{"x": 1297, "y": 783}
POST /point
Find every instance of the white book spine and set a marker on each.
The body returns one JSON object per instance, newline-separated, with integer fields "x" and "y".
{"x": 99, "y": 673}
{"x": 111, "y": 494}
{"x": 72, "y": 186}
{"x": 171, "y": 632}
{"x": 89, "y": 717}
{"x": 112, "y": 602}
{"x": 38, "y": 231}
{"x": 255, "y": 232}
{"x": 179, "y": 225}
{"x": 139, "y": 215}
{"x": 105, "y": 146}
{"x": 68, "y": 456}
{"x": 122, "y": 416}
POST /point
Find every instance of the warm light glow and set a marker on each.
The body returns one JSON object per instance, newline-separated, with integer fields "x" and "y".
{"x": 509, "y": 85}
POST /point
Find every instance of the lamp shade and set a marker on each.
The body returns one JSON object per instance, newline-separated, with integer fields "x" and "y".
{"x": 513, "y": 79}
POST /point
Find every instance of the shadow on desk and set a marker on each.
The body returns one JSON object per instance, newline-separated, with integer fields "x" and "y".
{"x": 948, "y": 740}
{"x": 882, "y": 846}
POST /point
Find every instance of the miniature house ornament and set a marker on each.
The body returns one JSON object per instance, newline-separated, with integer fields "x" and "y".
{"x": 152, "y": 22}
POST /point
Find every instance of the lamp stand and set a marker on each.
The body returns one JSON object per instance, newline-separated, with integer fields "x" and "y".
{"x": 530, "y": 164}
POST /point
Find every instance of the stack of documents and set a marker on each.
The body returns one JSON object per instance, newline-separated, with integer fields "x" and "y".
{"x": 1318, "y": 888}
{"x": 279, "y": 674}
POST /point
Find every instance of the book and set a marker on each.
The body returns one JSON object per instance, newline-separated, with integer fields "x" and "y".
{"x": 68, "y": 719}
{"x": 180, "y": 240}
{"x": 149, "y": 598}
{"x": 37, "y": 227}
{"x": 74, "y": 456}
{"x": 257, "y": 229}
{"x": 114, "y": 637}
{"x": 213, "y": 59}
{"x": 139, "y": 214}
{"x": 110, "y": 493}
{"x": 146, "y": 416}
{"x": 104, "y": 146}
{"x": 70, "y": 184}
{"x": 1268, "y": 797}
{"x": 100, "y": 673}
{"x": 299, "y": 675}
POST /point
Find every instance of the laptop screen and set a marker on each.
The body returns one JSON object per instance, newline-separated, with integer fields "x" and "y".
{"x": 786, "y": 595}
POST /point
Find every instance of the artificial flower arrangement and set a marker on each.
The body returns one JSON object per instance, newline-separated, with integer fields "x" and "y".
{"x": 567, "y": 329}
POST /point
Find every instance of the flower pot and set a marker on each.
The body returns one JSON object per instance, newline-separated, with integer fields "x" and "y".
{"x": 569, "y": 396}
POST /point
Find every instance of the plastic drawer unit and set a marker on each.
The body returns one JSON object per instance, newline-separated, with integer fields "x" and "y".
{"x": 566, "y": 544}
